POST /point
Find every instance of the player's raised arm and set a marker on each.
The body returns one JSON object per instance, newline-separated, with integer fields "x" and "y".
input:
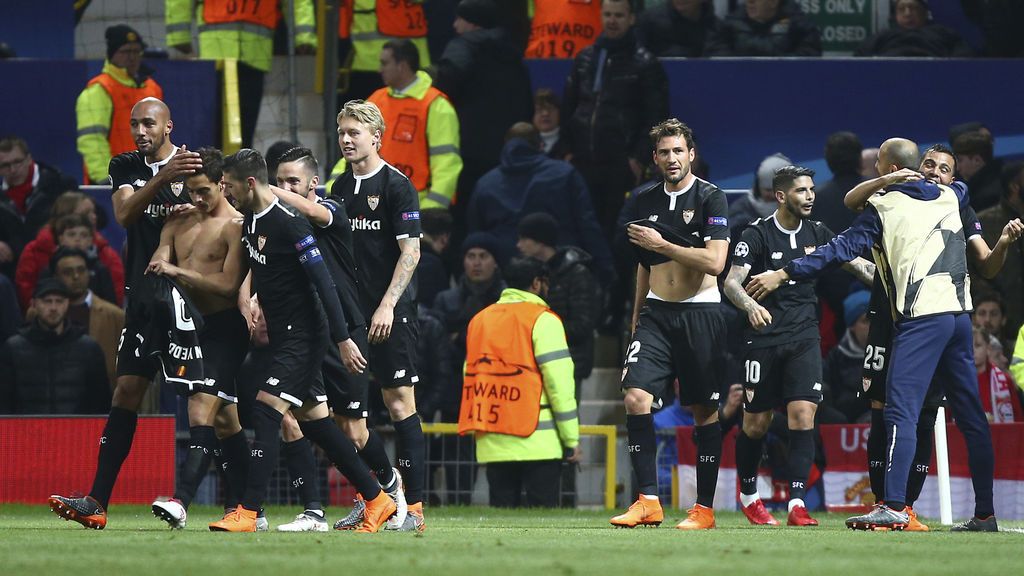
{"x": 315, "y": 212}
{"x": 858, "y": 196}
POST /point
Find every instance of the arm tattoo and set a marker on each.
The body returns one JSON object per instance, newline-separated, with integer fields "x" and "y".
{"x": 734, "y": 289}
{"x": 863, "y": 269}
{"x": 404, "y": 271}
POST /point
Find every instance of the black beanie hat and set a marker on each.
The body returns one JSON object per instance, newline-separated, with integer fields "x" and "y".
{"x": 120, "y": 35}
{"x": 483, "y": 13}
{"x": 541, "y": 227}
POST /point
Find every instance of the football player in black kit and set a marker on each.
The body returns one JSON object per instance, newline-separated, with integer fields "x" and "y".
{"x": 296, "y": 294}
{"x": 681, "y": 232}
{"x": 146, "y": 186}
{"x": 938, "y": 164}
{"x": 782, "y": 354}
{"x": 346, "y": 391}
{"x": 383, "y": 209}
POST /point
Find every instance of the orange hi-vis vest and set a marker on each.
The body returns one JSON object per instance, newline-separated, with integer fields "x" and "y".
{"x": 396, "y": 18}
{"x": 405, "y": 143}
{"x": 561, "y": 28}
{"x": 261, "y": 12}
{"x": 124, "y": 98}
{"x": 502, "y": 386}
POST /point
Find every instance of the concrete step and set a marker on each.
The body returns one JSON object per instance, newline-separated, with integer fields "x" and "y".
{"x": 602, "y": 412}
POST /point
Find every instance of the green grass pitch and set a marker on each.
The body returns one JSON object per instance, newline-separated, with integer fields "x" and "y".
{"x": 485, "y": 542}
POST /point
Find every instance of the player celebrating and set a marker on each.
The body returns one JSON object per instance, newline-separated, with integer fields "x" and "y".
{"x": 146, "y": 186}
{"x": 782, "y": 356}
{"x": 383, "y": 207}
{"x": 202, "y": 251}
{"x": 938, "y": 165}
{"x": 678, "y": 327}
{"x": 346, "y": 391}
{"x": 289, "y": 274}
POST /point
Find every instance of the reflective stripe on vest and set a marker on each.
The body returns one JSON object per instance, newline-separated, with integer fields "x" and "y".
{"x": 123, "y": 99}
{"x": 561, "y": 28}
{"x": 263, "y": 13}
{"x": 502, "y": 385}
{"x": 405, "y": 141}
{"x": 395, "y": 19}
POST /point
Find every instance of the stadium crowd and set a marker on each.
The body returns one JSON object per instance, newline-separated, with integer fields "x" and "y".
{"x": 500, "y": 175}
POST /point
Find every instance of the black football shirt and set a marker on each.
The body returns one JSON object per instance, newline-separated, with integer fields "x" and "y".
{"x": 143, "y": 236}
{"x": 383, "y": 208}
{"x": 765, "y": 245}
{"x": 335, "y": 242}
{"x": 689, "y": 217}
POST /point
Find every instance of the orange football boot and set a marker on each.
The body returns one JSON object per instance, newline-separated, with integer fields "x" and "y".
{"x": 698, "y": 518}
{"x": 915, "y": 525}
{"x": 643, "y": 512}
{"x": 238, "y": 520}
{"x": 377, "y": 513}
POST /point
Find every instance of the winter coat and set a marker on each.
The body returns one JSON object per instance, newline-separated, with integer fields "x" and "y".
{"x": 34, "y": 263}
{"x": 610, "y": 123}
{"x": 929, "y": 41}
{"x": 19, "y": 229}
{"x": 42, "y": 372}
{"x": 483, "y": 74}
{"x": 526, "y": 182}
{"x": 667, "y": 34}
{"x": 575, "y": 295}
{"x": 790, "y": 33}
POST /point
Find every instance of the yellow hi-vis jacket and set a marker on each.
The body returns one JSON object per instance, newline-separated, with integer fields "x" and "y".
{"x": 103, "y": 118}
{"x": 434, "y": 171}
{"x": 558, "y": 425}
{"x": 1017, "y": 361}
{"x": 243, "y": 30}
{"x": 368, "y": 40}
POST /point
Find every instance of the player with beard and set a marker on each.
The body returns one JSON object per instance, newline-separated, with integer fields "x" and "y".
{"x": 146, "y": 186}
{"x": 680, "y": 231}
{"x": 383, "y": 209}
{"x": 296, "y": 294}
{"x": 782, "y": 353}
{"x": 346, "y": 391}
{"x": 201, "y": 250}
{"x": 938, "y": 165}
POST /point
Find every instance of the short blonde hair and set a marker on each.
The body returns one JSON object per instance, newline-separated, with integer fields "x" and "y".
{"x": 365, "y": 113}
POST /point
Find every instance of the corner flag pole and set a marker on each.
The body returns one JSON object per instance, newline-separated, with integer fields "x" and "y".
{"x": 942, "y": 462}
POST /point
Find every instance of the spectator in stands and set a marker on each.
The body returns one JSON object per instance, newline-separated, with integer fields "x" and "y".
{"x": 10, "y": 312}
{"x": 524, "y": 447}
{"x": 997, "y": 353}
{"x": 843, "y": 365}
{"x": 956, "y": 130}
{"x": 868, "y": 159}
{"x": 480, "y": 286}
{"x": 245, "y": 35}
{"x": 574, "y": 292}
{"x": 422, "y": 136}
{"x": 766, "y": 28}
{"x": 103, "y": 320}
{"x": 760, "y": 201}
{"x": 51, "y": 366}
{"x": 615, "y": 92}
{"x": 1009, "y": 282}
{"x": 989, "y": 313}
{"x": 432, "y": 274}
{"x": 978, "y": 168}
{"x": 677, "y": 28}
{"x": 528, "y": 181}
{"x": 72, "y": 231}
{"x": 547, "y": 119}
{"x": 842, "y": 154}
{"x": 483, "y": 74}
{"x": 27, "y": 193}
{"x": 913, "y": 34}
{"x": 1000, "y": 398}
{"x": 561, "y": 28}
{"x": 104, "y": 108}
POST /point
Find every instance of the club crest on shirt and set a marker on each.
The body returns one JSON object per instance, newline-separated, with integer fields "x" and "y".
{"x": 177, "y": 188}
{"x": 687, "y": 216}
{"x": 809, "y": 249}
{"x": 373, "y": 201}
{"x": 750, "y": 395}
{"x": 866, "y": 382}
{"x": 261, "y": 242}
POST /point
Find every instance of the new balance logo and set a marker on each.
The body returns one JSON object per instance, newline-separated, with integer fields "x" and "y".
{"x": 816, "y": 387}
{"x": 399, "y": 374}
{"x": 716, "y": 396}
{"x": 273, "y": 381}
{"x": 139, "y": 183}
{"x": 776, "y": 255}
{"x": 353, "y": 405}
